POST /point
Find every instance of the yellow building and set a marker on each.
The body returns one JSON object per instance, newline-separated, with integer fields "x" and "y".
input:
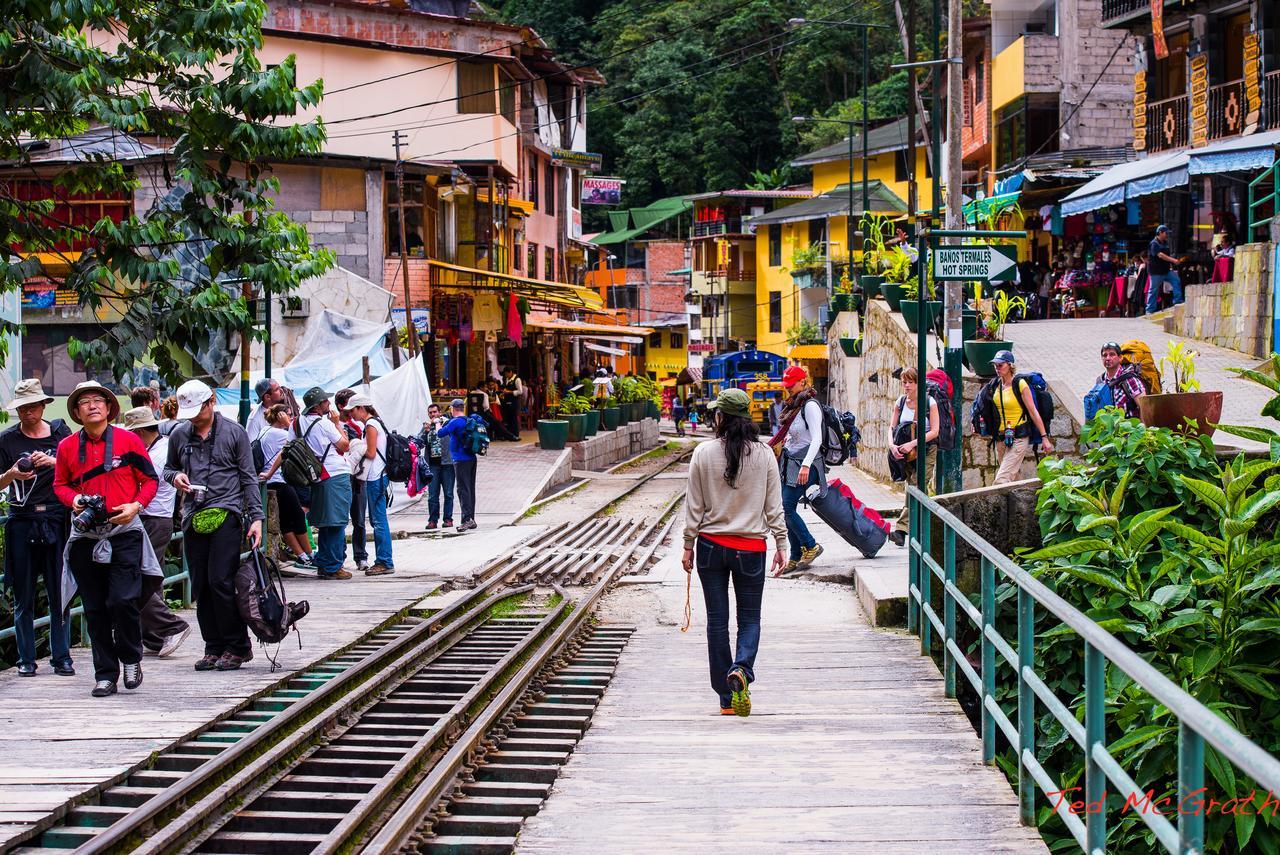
{"x": 666, "y": 350}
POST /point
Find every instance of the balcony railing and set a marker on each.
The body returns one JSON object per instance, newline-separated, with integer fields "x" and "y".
{"x": 729, "y": 226}
{"x": 1226, "y": 110}
{"x": 1116, "y": 12}
{"x": 1167, "y": 125}
{"x": 1271, "y": 99}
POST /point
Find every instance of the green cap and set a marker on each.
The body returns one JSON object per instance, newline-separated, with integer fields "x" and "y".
{"x": 732, "y": 402}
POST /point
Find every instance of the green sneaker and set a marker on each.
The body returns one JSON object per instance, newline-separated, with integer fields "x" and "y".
{"x": 741, "y": 696}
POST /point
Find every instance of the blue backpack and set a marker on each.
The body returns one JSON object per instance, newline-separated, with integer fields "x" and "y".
{"x": 1096, "y": 398}
{"x": 475, "y": 438}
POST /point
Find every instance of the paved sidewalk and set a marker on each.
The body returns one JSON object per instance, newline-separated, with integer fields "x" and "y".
{"x": 1066, "y": 353}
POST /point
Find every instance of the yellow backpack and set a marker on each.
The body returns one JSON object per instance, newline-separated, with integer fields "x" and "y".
{"x": 1138, "y": 354}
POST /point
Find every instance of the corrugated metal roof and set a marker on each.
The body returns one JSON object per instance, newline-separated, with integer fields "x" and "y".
{"x": 790, "y": 193}
{"x": 95, "y": 144}
{"x": 835, "y": 203}
{"x": 633, "y": 222}
{"x": 890, "y": 137}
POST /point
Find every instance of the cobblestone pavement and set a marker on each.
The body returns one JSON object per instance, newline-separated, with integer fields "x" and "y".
{"x": 1066, "y": 353}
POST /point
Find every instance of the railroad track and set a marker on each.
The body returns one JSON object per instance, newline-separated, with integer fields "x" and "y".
{"x": 319, "y": 764}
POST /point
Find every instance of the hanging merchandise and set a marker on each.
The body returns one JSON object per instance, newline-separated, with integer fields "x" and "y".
{"x": 454, "y": 318}
{"x": 486, "y": 313}
{"x": 515, "y": 323}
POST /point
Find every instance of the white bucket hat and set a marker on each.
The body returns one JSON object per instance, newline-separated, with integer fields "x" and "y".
{"x": 29, "y": 392}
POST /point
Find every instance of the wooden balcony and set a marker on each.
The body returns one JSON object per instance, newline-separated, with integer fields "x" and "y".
{"x": 1226, "y": 110}
{"x": 1167, "y": 124}
{"x": 1117, "y": 13}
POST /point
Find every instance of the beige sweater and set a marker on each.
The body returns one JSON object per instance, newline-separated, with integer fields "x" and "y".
{"x": 751, "y": 509}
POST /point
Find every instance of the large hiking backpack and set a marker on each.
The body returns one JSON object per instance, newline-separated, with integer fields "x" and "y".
{"x": 833, "y": 447}
{"x": 299, "y": 464}
{"x": 982, "y": 412}
{"x": 260, "y": 599}
{"x": 399, "y": 460}
{"x": 948, "y": 430}
{"x": 1138, "y": 354}
{"x": 1044, "y": 402}
{"x": 852, "y": 434}
{"x": 475, "y": 438}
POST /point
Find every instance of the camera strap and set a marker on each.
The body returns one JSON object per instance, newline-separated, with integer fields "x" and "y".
{"x": 102, "y": 468}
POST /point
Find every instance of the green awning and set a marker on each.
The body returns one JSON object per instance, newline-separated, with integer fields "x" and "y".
{"x": 629, "y": 224}
{"x": 981, "y": 208}
{"x": 622, "y": 236}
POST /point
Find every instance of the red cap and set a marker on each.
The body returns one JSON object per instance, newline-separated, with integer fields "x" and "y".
{"x": 793, "y": 375}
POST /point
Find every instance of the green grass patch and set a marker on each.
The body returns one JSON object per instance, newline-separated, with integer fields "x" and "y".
{"x": 661, "y": 451}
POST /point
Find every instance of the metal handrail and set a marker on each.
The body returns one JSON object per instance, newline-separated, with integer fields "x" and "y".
{"x": 1197, "y": 724}
{"x": 1254, "y": 202}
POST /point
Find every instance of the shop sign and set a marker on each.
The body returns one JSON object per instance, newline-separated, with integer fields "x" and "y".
{"x": 597, "y": 190}
{"x": 722, "y": 254}
{"x": 1252, "y": 82}
{"x": 40, "y": 292}
{"x": 421, "y": 319}
{"x": 701, "y": 347}
{"x": 1157, "y": 29}
{"x": 1140, "y": 111}
{"x": 584, "y": 160}
{"x": 1199, "y": 99}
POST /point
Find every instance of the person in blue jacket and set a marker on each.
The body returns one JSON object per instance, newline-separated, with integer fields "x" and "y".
{"x": 464, "y": 463}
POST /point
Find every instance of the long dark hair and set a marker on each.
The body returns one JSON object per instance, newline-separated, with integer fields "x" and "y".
{"x": 740, "y": 436}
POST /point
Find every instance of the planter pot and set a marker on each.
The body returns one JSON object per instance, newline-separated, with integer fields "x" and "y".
{"x": 843, "y": 303}
{"x": 810, "y": 277}
{"x": 577, "y": 427}
{"x": 593, "y": 422}
{"x": 871, "y": 285}
{"x": 638, "y": 410}
{"x": 610, "y": 418}
{"x": 893, "y": 295}
{"x": 979, "y": 354}
{"x": 1204, "y": 409}
{"x": 654, "y": 411}
{"x": 911, "y": 313}
{"x": 851, "y": 346}
{"x": 552, "y": 433}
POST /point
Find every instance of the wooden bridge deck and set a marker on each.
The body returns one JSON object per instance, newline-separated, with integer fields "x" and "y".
{"x": 852, "y": 747}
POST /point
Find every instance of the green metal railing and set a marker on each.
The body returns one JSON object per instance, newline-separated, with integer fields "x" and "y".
{"x": 1268, "y": 180}
{"x": 1197, "y": 724}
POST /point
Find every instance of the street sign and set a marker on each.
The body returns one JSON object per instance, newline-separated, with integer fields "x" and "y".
{"x": 984, "y": 262}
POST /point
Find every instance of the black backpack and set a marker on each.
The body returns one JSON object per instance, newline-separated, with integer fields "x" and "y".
{"x": 259, "y": 456}
{"x": 1044, "y": 402}
{"x": 261, "y": 601}
{"x": 947, "y": 428}
{"x": 852, "y": 433}
{"x": 398, "y": 461}
{"x": 299, "y": 464}
{"x": 834, "y": 448}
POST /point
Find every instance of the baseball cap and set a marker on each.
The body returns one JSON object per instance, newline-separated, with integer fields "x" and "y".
{"x": 457, "y": 403}
{"x": 359, "y": 399}
{"x": 732, "y": 402}
{"x": 1161, "y": 228}
{"x": 1003, "y": 356}
{"x": 314, "y": 396}
{"x": 191, "y": 397}
{"x": 793, "y": 375}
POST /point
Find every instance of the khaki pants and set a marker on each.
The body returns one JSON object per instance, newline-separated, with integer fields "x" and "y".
{"x": 930, "y": 478}
{"x": 1011, "y": 458}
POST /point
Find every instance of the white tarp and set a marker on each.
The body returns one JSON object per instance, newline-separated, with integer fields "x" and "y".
{"x": 332, "y": 352}
{"x": 402, "y": 397}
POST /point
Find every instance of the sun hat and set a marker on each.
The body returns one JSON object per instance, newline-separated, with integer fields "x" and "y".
{"x": 732, "y": 402}
{"x": 82, "y": 389}
{"x": 139, "y": 417}
{"x": 793, "y": 375}
{"x": 1003, "y": 356}
{"x": 191, "y": 398}
{"x": 29, "y": 392}
{"x": 359, "y": 399}
{"x": 314, "y": 396}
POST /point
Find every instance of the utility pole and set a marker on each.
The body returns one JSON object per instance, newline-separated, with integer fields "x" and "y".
{"x": 953, "y": 306}
{"x": 411, "y": 333}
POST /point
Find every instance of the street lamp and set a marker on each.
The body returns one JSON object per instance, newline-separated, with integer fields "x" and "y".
{"x": 866, "y": 203}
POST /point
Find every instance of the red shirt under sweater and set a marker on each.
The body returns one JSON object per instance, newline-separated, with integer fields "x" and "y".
{"x": 132, "y": 477}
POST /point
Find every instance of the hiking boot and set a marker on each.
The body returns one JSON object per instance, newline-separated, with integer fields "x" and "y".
{"x": 64, "y": 670}
{"x": 132, "y": 675}
{"x": 737, "y": 680}
{"x": 448, "y": 523}
{"x": 431, "y": 526}
{"x": 337, "y": 574}
{"x": 103, "y": 688}
{"x": 173, "y": 642}
{"x": 379, "y": 569}
{"x": 468, "y": 525}
{"x": 26, "y": 670}
{"x": 899, "y": 538}
{"x": 231, "y": 662}
{"x": 790, "y": 567}
{"x": 807, "y": 556}
{"x": 206, "y": 663}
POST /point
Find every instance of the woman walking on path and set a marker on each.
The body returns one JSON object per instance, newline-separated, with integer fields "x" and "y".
{"x": 798, "y": 442}
{"x": 733, "y": 504}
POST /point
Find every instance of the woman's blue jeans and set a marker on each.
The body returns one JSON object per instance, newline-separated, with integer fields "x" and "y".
{"x": 717, "y": 565}
{"x": 376, "y": 496}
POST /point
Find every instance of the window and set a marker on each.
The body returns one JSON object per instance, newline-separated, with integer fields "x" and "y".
{"x": 533, "y": 179}
{"x": 506, "y": 96}
{"x": 551, "y": 188}
{"x": 655, "y": 339}
{"x": 517, "y": 257}
{"x": 775, "y": 311}
{"x": 532, "y": 266}
{"x": 775, "y": 245}
{"x": 817, "y": 231}
{"x": 420, "y": 217}
{"x": 549, "y": 256}
{"x": 677, "y": 341}
{"x": 901, "y": 171}
{"x": 475, "y": 88}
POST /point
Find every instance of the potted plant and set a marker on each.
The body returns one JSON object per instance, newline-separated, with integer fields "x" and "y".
{"x": 1182, "y": 407}
{"x": 844, "y": 300}
{"x": 593, "y": 419}
{"x": 625, "y": 389}
{"x": 650, "y": 398}
{"x": 851, "y": 346}
{"x": 610, "y": 413}
{"x": 574, "y": 408}
{"x": 553, "y": 431}
{"x": 805, "y": 332}
{"x": 988, "y": 341}
{"x": 874, "y": 255}
{"x": 808, "y": 266}
{"x": 897, "y": 272}
{"x": 910, "y": 304}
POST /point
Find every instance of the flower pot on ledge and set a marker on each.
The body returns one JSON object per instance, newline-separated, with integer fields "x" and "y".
{"x": 871, "y": 285}
{"x": 593, "y": 422}
{"x": 1203, "y": 409}
{"x": 980, "y": 354}
{"x": 843, "y": 303}
{"x": 893, "y": 295}
{"x": 911, "y": 313}
{"x": 553, "y": 433}
{"x": 851, "y": 346}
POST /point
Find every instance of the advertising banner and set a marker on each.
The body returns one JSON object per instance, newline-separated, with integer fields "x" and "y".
{"x": 602, "y": 191}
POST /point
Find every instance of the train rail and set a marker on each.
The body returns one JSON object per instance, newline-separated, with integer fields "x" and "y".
{"x": 347, "y": 748}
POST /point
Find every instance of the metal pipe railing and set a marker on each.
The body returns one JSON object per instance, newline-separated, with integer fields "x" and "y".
{"x": 1197, "y": 724}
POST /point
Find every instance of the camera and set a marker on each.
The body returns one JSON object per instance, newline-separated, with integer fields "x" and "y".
{"x": 25, "y": 464}
{"x": 93, "y": 513}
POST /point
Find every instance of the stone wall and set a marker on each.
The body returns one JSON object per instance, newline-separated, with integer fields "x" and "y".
{"x": 843, "y": 371}
{"x": 1236, "y": 314}
{"x": 344, "y": 232}
{"x": 887, "y": 347}
{"x": 614, "y": 446}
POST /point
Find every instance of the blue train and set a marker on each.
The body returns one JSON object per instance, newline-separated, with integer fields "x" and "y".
{"x": 757, "y": 372}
